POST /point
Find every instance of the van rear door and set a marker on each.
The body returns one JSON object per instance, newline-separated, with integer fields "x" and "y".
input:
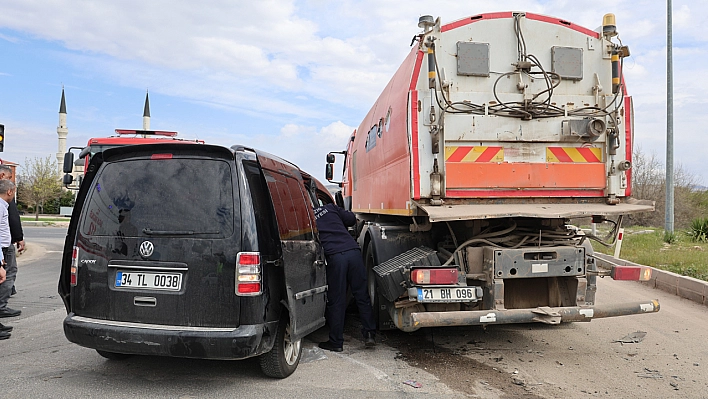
{"x": 303, "y": 262}
{"x": 158, "y": 236}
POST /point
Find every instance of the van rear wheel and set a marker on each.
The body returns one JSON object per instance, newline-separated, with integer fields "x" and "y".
{"x": 113, "y": 355}
{"x": 282, "y": 360}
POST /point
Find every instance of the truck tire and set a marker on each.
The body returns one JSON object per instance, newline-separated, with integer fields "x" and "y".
{"x": 283, "y": 358}
{"x": 378, "y": 303}
{"x": 371, "y": 284}
{"x": 113, "y": 355}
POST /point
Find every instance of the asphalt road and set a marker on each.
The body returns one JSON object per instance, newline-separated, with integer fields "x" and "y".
{"x": 532, "y": 361}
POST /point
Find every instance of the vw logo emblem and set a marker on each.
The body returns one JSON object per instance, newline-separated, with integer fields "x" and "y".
{"x": 146, "y": 249}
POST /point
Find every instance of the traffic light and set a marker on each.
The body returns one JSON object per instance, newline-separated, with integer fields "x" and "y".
{"x": 2, "y": 137}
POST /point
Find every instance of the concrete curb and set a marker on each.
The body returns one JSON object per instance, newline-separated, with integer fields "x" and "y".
{"x": 686, "y": 287}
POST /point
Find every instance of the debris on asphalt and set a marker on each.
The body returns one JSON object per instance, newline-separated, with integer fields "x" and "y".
{"x": 518, "y": 381}
{"x": 413, "y": 383}
{"x": 312, "y": 355}
{"x": 650, "y": 374}
{"x": 632, "y": 338}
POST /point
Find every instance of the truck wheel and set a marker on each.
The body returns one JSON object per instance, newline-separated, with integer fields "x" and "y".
{"x": 371, "y": 284}
{"x": 113, "y": 355}
{"x": 282, "y": 360}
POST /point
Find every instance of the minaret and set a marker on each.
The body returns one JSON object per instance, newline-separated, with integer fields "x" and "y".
{"x": 146, "y": 113}
{"x": 62, "y": 131}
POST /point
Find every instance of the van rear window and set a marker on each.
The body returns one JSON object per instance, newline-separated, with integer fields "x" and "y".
{"x": 171, "y": 197}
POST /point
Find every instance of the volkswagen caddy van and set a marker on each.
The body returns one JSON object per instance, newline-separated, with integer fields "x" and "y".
{"x": 194, "y": 251}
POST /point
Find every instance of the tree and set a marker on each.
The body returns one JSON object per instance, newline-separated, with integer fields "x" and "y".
{"x": 53, "y": 206}
{"x": 39, "y": 183}
{"x": 649, "y": 183}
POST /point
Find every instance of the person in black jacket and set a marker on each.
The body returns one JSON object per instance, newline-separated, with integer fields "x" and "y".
{"x": 7, "y": 288}
{"x": 345, "y": 266}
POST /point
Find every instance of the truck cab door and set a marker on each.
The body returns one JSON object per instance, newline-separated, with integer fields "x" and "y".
{"x": 303, "y": 263}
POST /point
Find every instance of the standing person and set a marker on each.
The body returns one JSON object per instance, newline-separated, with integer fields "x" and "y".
{"x": 7, "y": 193}
{"x": 16, "y": 233}
{"x": 345, "y": 266}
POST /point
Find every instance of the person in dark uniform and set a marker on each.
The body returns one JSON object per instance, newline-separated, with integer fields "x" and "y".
{"x": 345, "y": 267}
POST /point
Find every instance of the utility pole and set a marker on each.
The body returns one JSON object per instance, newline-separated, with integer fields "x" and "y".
{"x": 669, "y": 215}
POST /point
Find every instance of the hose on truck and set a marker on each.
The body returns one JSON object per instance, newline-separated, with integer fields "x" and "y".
{"x": 514, "y": 237}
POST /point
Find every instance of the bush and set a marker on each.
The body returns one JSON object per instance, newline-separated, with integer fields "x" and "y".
{"x": 52, "y": 206}
{"x": 699, "y": 230}
{"x": 670, "y": 237}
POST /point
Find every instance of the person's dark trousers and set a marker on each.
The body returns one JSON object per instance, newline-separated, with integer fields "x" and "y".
{"x": 11, "y": 269}
{"x": 346, "y": 268}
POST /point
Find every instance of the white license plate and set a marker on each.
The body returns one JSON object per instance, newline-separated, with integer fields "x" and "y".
{"x": 464, "y": 294}
{"x": 151, "y": 281}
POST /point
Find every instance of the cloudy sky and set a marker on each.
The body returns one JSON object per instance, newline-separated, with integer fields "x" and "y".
{"x": 290, "y": 77}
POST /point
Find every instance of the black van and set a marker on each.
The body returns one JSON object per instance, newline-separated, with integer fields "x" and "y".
{"x": 195, "y": 251}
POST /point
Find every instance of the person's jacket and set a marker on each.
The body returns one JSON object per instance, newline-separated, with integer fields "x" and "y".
{"x": 332, "y": 223}
{"x": 15, "y": 224}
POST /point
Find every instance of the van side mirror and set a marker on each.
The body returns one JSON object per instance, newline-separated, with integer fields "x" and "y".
{"x": 67, "y": 179}
{"x": 330, "y": 158}
{"x": 329, "y": 171}
{"x": 68, "y": 166}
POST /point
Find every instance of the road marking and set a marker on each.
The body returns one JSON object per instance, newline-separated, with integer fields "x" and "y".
{"x": 379, "y": 374}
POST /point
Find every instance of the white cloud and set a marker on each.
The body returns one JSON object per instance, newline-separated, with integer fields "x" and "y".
{"x": 313, "y": 66}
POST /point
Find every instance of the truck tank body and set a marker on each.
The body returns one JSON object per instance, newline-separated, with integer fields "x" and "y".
{"x": 495, "y": 132}
{"x": 471, "y": 129}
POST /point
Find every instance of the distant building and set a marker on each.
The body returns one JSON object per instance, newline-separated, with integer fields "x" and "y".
{"x": 62, "y": 132}
{"x": 13, "y": 166}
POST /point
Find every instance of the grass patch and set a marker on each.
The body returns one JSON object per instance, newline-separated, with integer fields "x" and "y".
{"x": 682, "y": 255}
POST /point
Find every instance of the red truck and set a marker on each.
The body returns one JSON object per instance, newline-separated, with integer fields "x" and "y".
{"x": 124, "y": 137}
{"x": 495, "y": 131}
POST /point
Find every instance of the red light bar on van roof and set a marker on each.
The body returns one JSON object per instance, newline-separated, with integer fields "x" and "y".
{"x": 147, "y": 132}
{"x": 161, "y": 156}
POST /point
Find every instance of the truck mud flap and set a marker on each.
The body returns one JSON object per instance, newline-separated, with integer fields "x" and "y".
{"x": 546, "y": 315}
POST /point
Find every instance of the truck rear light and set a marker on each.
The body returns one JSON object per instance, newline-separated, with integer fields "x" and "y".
{"x": 634, "y": 273}
{"x": 248, "y": 273}
{"x": 74, "y": 265}
{"x": 434, "y": 276}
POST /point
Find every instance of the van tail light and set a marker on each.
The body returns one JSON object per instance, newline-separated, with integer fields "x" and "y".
{"x": 74, "y": 265}
{"x": 634, "y": 273}
{"x": 434, "y": 276}
{"x": 248, "y": 274}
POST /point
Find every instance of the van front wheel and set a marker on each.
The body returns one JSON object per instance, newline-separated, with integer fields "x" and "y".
{"x": 282, "y": 360}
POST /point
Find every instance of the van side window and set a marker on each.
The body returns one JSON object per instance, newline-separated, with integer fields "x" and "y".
{"x": 323, "y": 199}
{"x": 266, "y": 224}
{"x": 290, "y": 207}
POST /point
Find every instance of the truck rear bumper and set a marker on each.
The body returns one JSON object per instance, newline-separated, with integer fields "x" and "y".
{"x": 193, "y": 342}
{"x": 545, "y": 315}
